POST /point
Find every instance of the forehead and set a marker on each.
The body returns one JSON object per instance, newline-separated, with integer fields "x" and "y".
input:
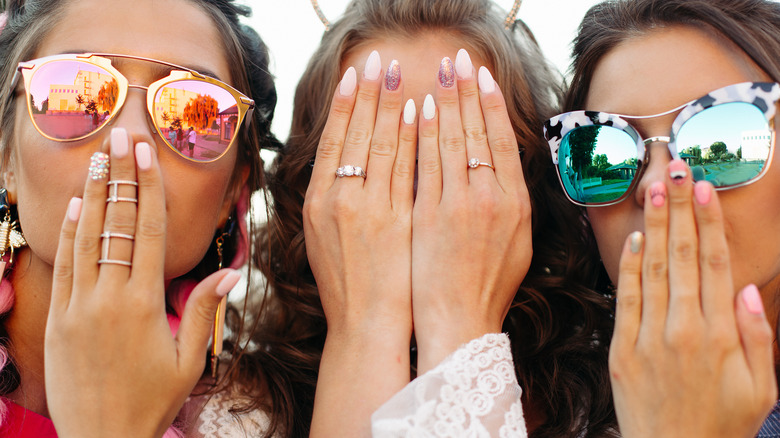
{"x": 176, "y": 31}
{"x": 664, "y": 68}
{"x": 419, "y": 56}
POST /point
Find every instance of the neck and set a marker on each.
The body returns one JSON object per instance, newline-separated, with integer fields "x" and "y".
{"x": 26, "y": 325}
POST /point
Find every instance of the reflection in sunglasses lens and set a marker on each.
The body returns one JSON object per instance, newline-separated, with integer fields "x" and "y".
{"x": 597, "y": 163}
{"x": 198, "y": 119}
{"x": 71, "y": 99}
{"x": 727, "y": 144}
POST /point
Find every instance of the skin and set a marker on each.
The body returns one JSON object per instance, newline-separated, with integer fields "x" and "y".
{"x": 191, "y": 199}
{"x": 690, "y": 357}
{"x": 382, "y": 258}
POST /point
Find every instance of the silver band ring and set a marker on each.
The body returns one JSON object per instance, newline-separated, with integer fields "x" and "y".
{"x": 474, "y": 163}
{"x": 114, "y": 195}
{"x": 107, "y": 235}
{"x": 348, "y": 170}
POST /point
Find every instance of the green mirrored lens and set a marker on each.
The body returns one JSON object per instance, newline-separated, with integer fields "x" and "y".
{"x": 726, "y": 144}
{"x": 597, "y": 163}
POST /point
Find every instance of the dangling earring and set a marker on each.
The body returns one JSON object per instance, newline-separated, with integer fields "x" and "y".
{"x": 10, "y": 237}
{"x": 219, "y": 318}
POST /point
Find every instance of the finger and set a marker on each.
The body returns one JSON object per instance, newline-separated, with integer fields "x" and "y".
{"x": 332, "y": 139}
{"x": 500, "y": 134}
{"x": 62, "y": 281}
{"x": 429, "y": 173}
{"x": 714, "y": 261}
{"x": 655, "y": 280}
{"x": 384, "y": 141}
{"x": 87, "y": 242}
{"x": 629, "y": 295}
{"x": 756, "y": 335}
{"x": 361, "y": 128}
{"x": 472, "y": 119}
{"x": 402, "y": 182}
{"x": 149, "y": 252}
{"x": 452, "y": 144}
{"x": 119, "y": 227}
{"x": 684, "y": 291}
{"x": 197, "y": 319}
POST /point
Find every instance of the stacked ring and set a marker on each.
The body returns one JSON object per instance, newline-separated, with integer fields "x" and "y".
{"x": 348, "y": 170}
{"x": 474, "y": 163}
{"x": 114, "y": 195}
{"x": 107, "y": 235}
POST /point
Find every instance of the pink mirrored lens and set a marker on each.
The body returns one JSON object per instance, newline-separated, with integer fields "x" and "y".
{"x": 196, "y": 118}
{"x": 72, "y": 99}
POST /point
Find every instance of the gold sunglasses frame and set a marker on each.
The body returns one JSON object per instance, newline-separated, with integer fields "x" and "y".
{"x": 27, "y": 69}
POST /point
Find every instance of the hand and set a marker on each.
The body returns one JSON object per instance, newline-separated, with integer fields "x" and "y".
{"x": 358, "y": 241}
{"x": 471, "y": 244}
{"x": 688, "y": 357}
{"x": 112, "y": 367}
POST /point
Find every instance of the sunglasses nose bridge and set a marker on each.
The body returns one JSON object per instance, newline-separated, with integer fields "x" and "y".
{"x": 657, "y": 156}
{"x": 128, "y": 117}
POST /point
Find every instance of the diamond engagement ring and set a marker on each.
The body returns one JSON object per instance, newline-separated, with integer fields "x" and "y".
{"x": 348, "y": 170}
{"x": 474, "y": 163}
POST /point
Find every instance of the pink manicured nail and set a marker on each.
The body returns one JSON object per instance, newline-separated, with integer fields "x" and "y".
{"x": 752, "y": 299}
{"x": 143, "y": 156}
{"x": 702, "y": 191}
{"x": 486, "y": 82}
{"x": 658, "y": 194}
{"x": 373, "y": 66}
{"x": 348, "y": 82}
{"x": 678, "y": 171}
{"x": 463, "y": 65}
{"x": 119, "y": 145}
{"x": 393, "y": 76}
{"x": 227, "y": 283}
{"x": 446, "y": 73}
{"x": 74, "y": 209}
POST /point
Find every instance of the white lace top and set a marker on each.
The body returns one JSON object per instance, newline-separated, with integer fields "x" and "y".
{"x": 472, "y": 393}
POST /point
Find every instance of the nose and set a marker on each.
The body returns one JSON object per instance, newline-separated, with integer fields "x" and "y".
{"x": 134, "y": 117}
{"x": 657, "y": 156}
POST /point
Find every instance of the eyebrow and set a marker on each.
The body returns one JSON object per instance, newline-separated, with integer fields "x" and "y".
{"x": 162, "y": 67}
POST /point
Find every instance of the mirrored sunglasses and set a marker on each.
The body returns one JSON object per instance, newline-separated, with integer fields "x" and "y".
{"x": 726, "y": 137}
{"x": 73, "y": 96}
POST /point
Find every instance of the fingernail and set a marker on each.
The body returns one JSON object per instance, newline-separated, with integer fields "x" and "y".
{"x": 677, "y": 171}
{"x": 635, "y": 241}
{"x": 446, "y": 73}
{"x": 463, "y": 64}
{"x": 658, "y": 194}
{"x": 98, "y": 166}
{"x": 752, "y": 299}
{"x": 486, "y": 82}
{"x": 74, "y": 209}
{"x": 143, "y": 156}
{"x": 228, "y": 282}
{"x": 393, "y": 75}
{"x": 429, "y": 108}
{"x": 702, "y": 191}
{"x": 119, "y": 142}
{"x": 373, "y": 66}
{"x": 348, "y": 82}
{"x": 410, "y": 112}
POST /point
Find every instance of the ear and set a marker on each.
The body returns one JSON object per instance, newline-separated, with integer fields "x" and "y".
{"x": 9, "y": 182}
{"x": 234, "y": 192}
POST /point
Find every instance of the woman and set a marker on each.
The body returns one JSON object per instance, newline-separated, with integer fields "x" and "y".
{"x": 358, "y": 254}
{"x": 664, "y": 82}
{"x": 121, "y": 228}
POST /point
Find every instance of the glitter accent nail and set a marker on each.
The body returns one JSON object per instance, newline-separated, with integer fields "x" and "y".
{"x": 98, "y": 166}
{"x": 393, "y": 76}
{"x": 446, "y": 73}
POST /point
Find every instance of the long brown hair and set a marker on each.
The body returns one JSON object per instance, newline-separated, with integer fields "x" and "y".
{"x": 559, "y": 328}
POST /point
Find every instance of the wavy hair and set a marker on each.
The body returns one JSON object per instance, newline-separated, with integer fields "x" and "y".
{"x": 27, "y": 22}
{"x": 558, "y": 327}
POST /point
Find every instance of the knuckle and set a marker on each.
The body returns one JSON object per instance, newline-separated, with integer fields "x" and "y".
{"x": 120, "y": 223}
{"x": 382, "y": 147}
{"x": 341, "y": 109}
{"x": 504, "y": 144}
{"x": 330, "y": 146}
{"x": 357, "y": 136}
{"x": 85, "y": 244}
{"x": 154, "y": 229}
{"x": 716, "y": 261}
{"x": 428, "y": 166}
{"x": 403, "y": 168}
{"x": 682, "y": 337}
{"x": 63, "y": 274}
{"x": 475, "y": 133}
{"x": 452, "y": 143}
{"x": 684, "y": 250}
{"x": 657, "y": 270}
{"x": 368, "y": 95}
{"x": 628, "y": 301}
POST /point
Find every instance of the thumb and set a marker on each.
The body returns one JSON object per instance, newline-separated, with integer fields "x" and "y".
{"x": 198, "y": 316}
{"x": 756, "y": 336}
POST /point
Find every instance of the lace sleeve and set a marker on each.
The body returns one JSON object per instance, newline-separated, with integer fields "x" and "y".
{"x": 473, "y": 392}
{"x": 210, "y": 416}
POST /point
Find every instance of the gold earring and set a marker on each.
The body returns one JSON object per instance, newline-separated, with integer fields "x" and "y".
{"x": 10, "y": 236}
{"x": 219, "y": 318}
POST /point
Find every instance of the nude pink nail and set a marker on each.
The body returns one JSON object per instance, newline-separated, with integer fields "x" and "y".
{"x": 702, "y": 191}
{"x": 74, "y": 209}
{"x": 143, "y": 156}
{"x": 463, "y": 65}
{"x": 486, "y": 82}
{"x": 348, "y": 82}
{"x": 227, "y": 283}
{"x": 752, "y": 299}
